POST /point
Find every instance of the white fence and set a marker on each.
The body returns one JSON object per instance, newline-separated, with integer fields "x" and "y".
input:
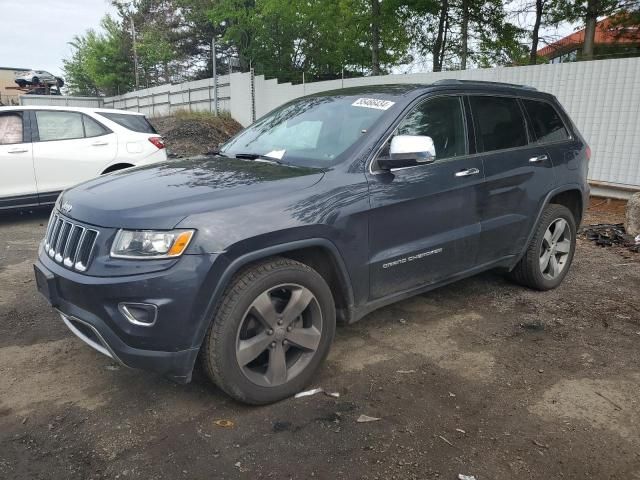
{"x": 602, "y": 97}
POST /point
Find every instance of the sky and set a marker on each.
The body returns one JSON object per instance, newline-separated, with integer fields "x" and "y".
{"x": 36, "y": 34}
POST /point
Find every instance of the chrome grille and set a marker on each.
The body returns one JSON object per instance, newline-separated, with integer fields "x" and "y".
{"x": 69, "y": 243}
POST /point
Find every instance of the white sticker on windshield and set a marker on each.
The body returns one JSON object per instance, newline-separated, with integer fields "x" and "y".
{"x": 376, "y": 103}
{"x": 278, "y": 154}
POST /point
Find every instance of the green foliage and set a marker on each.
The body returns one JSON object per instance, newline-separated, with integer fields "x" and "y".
{"x": 100, "y": 63}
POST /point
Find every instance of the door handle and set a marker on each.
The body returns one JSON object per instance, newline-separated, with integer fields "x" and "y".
{"x": 468, "y": 172}
{"x": 99, "y": 144}
{"x": 18, "y": 150}
{"x": 538, "y": 159}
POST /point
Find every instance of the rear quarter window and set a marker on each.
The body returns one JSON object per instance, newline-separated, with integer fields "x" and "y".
{"x": 135, "y": 123}
{"x": 546, "y": 122}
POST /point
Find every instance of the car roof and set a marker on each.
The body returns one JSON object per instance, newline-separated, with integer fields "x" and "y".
{"x": 69, "y": 109}
{"x": 411, "y": 90}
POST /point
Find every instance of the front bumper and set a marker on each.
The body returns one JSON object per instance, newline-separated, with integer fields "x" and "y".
{"x": 89, "y": 307}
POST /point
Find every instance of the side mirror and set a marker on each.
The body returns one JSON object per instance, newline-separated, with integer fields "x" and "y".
{"x": 409, "y": 151}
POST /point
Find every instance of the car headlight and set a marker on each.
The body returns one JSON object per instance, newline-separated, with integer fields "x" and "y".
{"x": 150, "y": 244}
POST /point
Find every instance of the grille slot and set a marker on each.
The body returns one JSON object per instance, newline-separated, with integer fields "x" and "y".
{"x": 69, "y": 243}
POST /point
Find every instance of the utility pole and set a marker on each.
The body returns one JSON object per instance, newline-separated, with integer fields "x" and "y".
{"x": 215, "y": 74}
{"x": 135, "y": 51}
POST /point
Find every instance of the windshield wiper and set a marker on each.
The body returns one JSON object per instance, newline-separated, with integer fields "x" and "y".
{"x": 260, "y": 157}
{"x": 215, "y": 153}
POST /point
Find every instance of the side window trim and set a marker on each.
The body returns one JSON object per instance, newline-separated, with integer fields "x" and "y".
{"x": 33, "y": 127}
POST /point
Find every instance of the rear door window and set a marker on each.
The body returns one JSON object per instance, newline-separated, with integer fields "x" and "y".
{"x": 58, "y": 125}
{"x": 546, "y": 122}
{"x": 11, "y": 128}
{"x": 499, "y": 123}
{"x": 136, "y": 123}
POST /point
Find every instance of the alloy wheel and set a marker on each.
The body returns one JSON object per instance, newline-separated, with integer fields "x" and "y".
{"x": 555, "y": 249}
{"x": 279, "y": 335}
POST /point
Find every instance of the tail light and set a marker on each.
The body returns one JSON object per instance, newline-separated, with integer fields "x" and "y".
{"x": 157, "y": 141}
{"x": 588, "y": 152}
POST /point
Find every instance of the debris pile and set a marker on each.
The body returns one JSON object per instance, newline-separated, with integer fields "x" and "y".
{"x": 610, "y": 234}
{"x": 190, "y": 134}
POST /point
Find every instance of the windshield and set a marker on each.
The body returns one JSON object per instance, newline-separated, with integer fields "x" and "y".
{"x": 311, "y": 132}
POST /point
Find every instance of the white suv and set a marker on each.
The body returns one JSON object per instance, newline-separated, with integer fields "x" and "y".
{"x": 44, "y": 150}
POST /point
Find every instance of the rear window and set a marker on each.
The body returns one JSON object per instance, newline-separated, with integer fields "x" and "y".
{"x": 499, "y": 123}
{"x": 547, "y": 124}
{"x": 136, "y": 123}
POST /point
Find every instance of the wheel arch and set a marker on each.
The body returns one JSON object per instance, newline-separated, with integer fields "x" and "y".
{"x": 572, "y": 199}
{"x": 318, "y": 253}
{"x": 571, "y": 196}
{"x": 117, "y": 166}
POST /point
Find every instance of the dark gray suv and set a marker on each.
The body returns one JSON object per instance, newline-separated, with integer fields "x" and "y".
{"x": 325, "y": 209}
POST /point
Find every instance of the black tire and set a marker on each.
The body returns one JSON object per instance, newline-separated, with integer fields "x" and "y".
{"x": 528, "y": 271}
{"x": 219, "y": 349}
{"x": 59, "y": 82}
{"x": 35, "y": 81}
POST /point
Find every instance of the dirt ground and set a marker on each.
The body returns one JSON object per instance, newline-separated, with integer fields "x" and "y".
{"x": 480, "y": 378}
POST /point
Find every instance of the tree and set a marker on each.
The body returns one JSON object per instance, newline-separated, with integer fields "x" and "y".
{"x": 101, "y": 62}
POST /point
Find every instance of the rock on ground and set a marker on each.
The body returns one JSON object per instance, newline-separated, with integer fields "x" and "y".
{"x": 632, "y": 219}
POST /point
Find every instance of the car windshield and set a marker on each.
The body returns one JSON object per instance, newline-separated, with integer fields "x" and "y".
{"x": 311, "y": 132}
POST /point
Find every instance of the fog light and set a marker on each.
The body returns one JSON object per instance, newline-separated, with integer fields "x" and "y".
{"x": 142, "y": 314}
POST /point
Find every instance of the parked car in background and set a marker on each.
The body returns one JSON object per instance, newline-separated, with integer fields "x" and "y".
{"x": 38, "y": 77}
{"x": 329, "y": 207}
{"x": 44, "y": 150}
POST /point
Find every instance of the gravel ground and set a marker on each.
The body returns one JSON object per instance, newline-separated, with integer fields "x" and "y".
{"x": 480, "y": 378}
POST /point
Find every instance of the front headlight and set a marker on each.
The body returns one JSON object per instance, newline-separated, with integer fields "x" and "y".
{"x": 150, "y": 244}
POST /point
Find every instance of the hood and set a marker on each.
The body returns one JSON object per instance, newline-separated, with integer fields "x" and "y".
{"x": 162, "y": 194}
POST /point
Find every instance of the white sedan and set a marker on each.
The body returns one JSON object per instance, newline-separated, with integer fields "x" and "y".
{"x": 44, "y": 150}
{"x": 38, "y": 77}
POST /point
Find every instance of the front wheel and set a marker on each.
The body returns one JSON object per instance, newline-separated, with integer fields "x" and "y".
{"x": 271, "y": 333}
{"x": 550, "y": 253}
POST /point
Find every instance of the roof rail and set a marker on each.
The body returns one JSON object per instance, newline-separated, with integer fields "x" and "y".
{"x": 454, "y": 81}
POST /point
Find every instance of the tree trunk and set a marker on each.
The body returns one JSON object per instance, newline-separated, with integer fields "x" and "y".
{"x": 464, "y": 35}
{"x": 375, "y": 37}
{"x": 590, "y": 29}
{"x": 535, "y": 35}
{"x": 439, "y": 43}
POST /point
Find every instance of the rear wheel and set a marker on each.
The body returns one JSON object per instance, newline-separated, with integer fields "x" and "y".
{"x": 35, "y": 81}
{"x": 272, "y": 331}
{"x": 550, "y": 253}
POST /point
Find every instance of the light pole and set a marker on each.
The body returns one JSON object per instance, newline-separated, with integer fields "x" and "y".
{"x": 215, "y": 74}
{"x": 135, "y": 51}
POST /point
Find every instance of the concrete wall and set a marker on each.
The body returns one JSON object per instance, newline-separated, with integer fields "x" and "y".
{"x": 602, "y": 97}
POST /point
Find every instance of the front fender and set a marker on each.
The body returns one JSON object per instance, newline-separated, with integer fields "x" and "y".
{"x": 226, "y": 266}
